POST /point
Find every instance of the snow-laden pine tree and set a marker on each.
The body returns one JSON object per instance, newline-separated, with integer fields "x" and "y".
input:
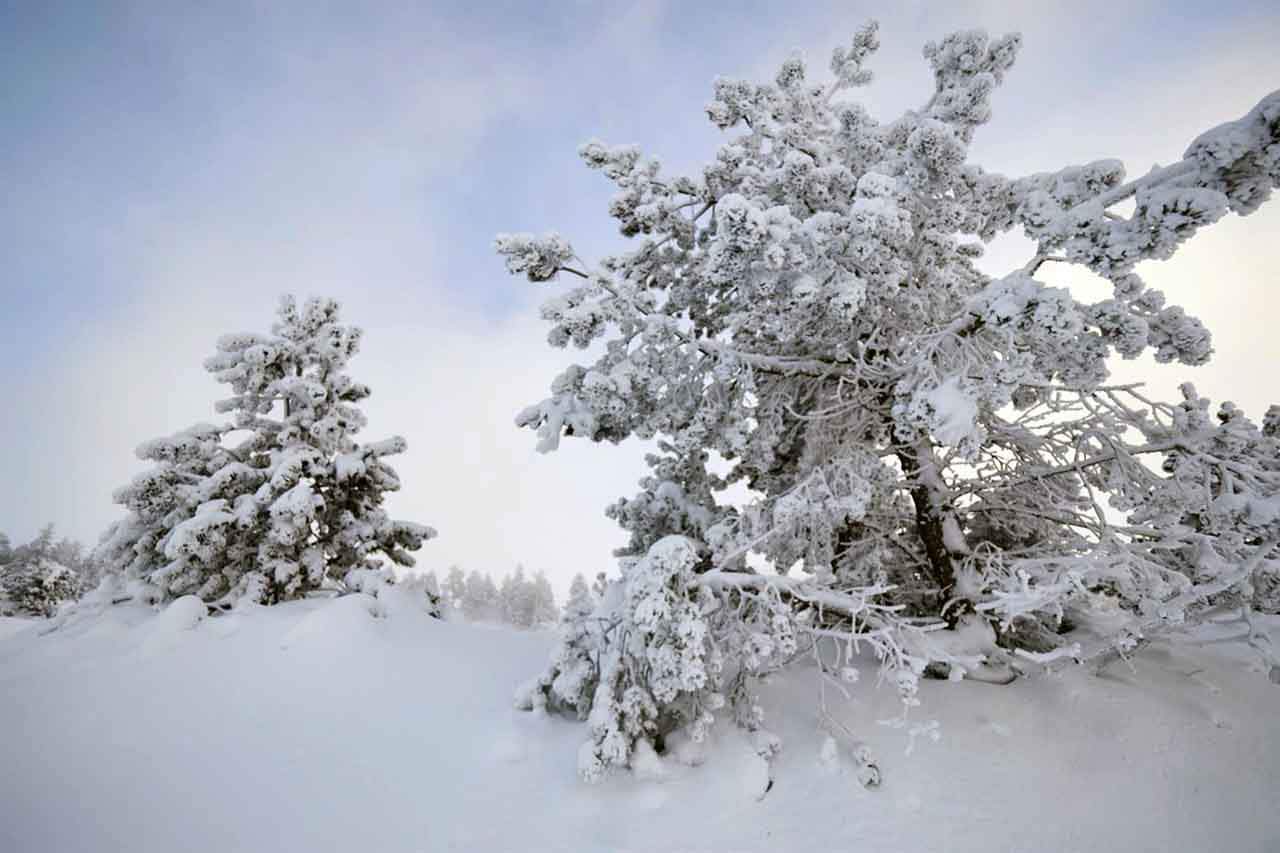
{"x": 542, "y": 601}
{"x": 481, "y": 600}
{"x": 37, "y": 586}
{"x": 937, "y": 455}
{"x": 188, "y": 468}
{"x": 455, "y": 587}
{"x": 580, "y": 602}
{"x": 296, "y": 503}
{"x": 6, "y": 549}
{"x": 33, "y": 582}
{"x": 43, "y": 547}
{"x": 515, "y": 599}
{"x": 431, "y": 585}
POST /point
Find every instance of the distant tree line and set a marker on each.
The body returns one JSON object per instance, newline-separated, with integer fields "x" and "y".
{"x": 517, "y": 599}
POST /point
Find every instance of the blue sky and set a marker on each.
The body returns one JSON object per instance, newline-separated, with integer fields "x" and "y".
{"x": 170, "y": 168}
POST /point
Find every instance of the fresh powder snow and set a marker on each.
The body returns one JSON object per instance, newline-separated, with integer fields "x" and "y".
{"x": 364, "y": 724}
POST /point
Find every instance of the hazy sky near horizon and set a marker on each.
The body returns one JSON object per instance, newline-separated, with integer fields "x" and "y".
{"x": 170, "y": 168}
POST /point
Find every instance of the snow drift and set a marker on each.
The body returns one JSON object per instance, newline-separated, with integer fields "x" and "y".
{"x": 363, "y": 724}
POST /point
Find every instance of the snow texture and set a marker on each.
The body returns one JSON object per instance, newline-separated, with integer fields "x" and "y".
{"x": 294, "y": 728}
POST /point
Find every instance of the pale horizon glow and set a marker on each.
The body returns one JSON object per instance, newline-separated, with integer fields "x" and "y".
{"x": 170, "y": 172}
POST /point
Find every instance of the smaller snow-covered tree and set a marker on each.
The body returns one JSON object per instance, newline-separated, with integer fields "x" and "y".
{"x": 515, "y": 600}
{"x": 91, "y": 570}
{"x": 569, "y": 682}
{"x": 69, "y": 552}
{"x": 481, "y": 600}
{"x": 489, "y": 594}
{"x": 542, "y": 604}
{"x": 40, "y": 548}
{"x": 6, "y": 549}
{"x": 455, "y": 587}
{"x": 33, "y": 582}
{"x": 37, "y": 586}
{"x": 297, "y": 504}
{"x": 581, "y": 601}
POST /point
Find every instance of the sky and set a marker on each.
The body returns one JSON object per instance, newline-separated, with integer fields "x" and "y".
{"x": 170, "y": 168}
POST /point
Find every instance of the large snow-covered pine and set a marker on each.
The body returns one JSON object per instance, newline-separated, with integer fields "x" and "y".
{"x": 940, "y": 470}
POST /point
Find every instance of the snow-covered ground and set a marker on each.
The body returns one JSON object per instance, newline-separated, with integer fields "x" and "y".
{"x": 319, "y": 726}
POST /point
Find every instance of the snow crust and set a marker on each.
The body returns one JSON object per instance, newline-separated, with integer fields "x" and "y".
{"x": 337, "y": 725}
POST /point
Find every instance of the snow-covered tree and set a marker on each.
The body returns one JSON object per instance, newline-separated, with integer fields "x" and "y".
{"x": 580, "y": 601}
{"x": 186, "y": 467}
{"x": 519, "y": 601}
{"x": 36, "y": 586}
{"x": 90, "y": 570}
{"x": 542, "y": 601}
{"x": 33, "y": 582}
{"x": 481, "y": 601}
{"x": 42, "y": 547}
{"x": 296, "y": 504}
{"x": 570, "y": 682}
{"x": 6, "y": 549}
{"x": 455, "y": 587}
{"x": 515, "y": 599}
{"x": 431, "y": 584}
{"x": 68, "y": 552}
{"x": 936, "y": 452}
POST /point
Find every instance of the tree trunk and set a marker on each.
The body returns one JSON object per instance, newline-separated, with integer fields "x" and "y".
{"x": 936, "y": 523}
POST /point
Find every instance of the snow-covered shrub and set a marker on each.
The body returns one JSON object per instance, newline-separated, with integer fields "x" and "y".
{"x": 421, "y": 590}
{"x": 37, "y": 577}
{"x": 938, "y": 449}
{"x": 36, "y": 586}
{"x": 662, "y": 669}
{"x": 651, "y": 659}
{"x": 294, "y": 505}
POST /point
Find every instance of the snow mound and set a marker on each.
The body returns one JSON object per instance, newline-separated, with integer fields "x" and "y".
{"x": 334, "y": 623}
{"x": 166, "y": 630}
